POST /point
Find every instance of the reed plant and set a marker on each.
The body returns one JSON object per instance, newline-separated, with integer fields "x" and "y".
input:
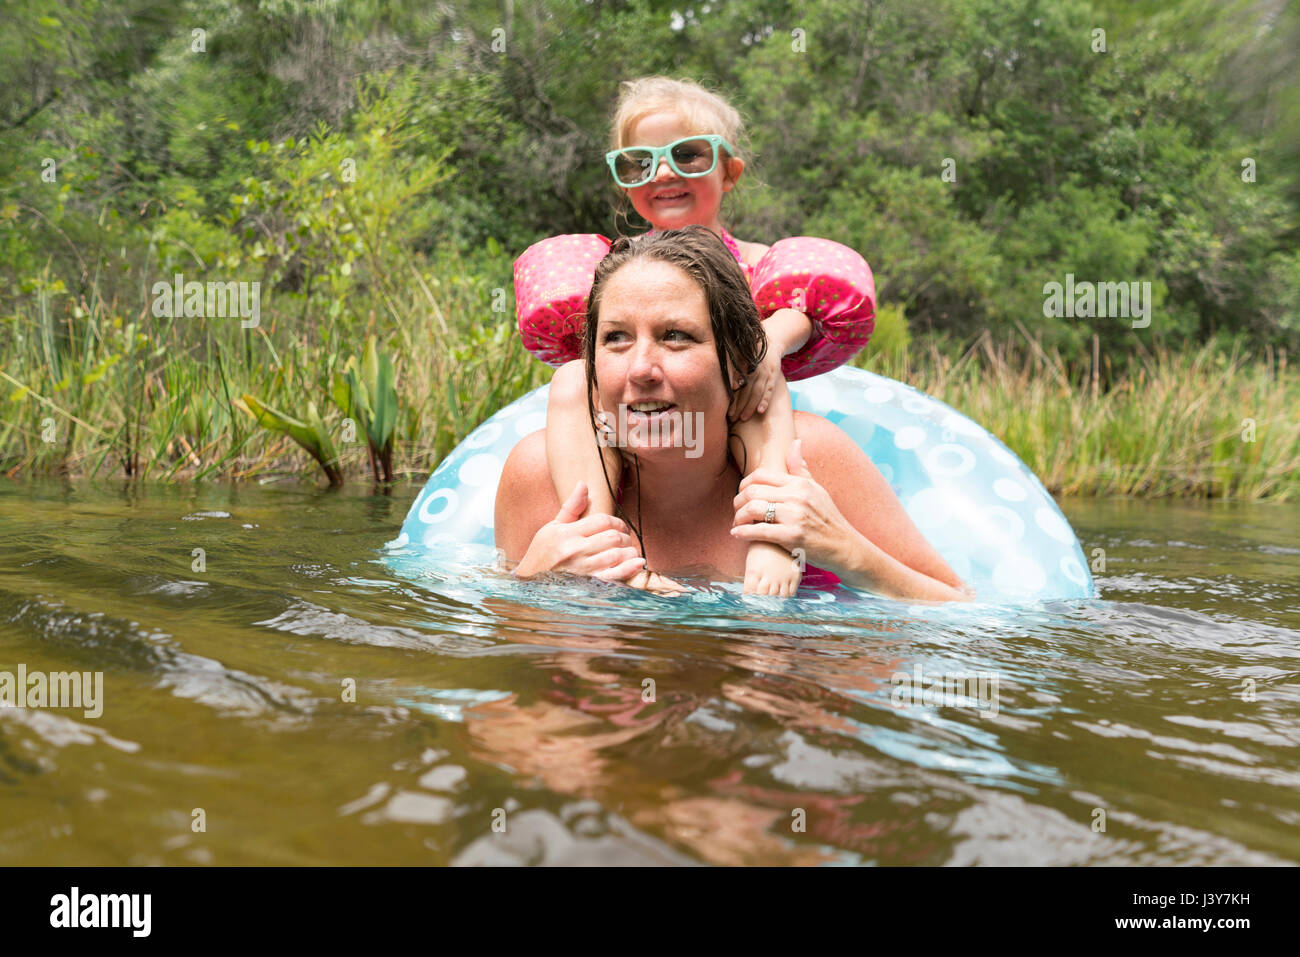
{"x": 1208, "y": 422}
{"x": 105, "y": 394}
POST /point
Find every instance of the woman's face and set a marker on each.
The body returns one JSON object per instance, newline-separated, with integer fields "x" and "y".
{"x": 657, "y": 364}
{"x": 670, "y": 201}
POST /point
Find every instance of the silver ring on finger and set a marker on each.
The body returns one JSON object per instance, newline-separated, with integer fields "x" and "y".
{"x": 770, "y": 517}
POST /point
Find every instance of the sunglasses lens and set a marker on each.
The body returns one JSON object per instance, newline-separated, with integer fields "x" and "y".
{"x": 694, "y": 157}
{"x": 633, "y": 166}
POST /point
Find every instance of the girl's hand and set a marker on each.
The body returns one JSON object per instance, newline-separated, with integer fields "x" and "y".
{"x": 808, "y": 523}
{"x": 756, "y": 394}
{"x": 598, "y": 545}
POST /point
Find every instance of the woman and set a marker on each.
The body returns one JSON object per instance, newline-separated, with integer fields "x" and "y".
{"x": 670, "y": 323}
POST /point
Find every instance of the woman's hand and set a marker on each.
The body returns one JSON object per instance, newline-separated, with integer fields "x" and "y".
{"x": 807, "y": 523}
{"x": 598, "y": 545}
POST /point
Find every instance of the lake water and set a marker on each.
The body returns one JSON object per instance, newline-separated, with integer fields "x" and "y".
{"x": 289, "y": 695}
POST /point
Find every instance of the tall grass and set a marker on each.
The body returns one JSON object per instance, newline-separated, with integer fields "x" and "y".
{"x": 154, "y": 398}
{"x": 99, "y": 392}
{"x": 345, "y": 232}
{"x": 1207, "y": 422}
{"x": 92, "y": 383}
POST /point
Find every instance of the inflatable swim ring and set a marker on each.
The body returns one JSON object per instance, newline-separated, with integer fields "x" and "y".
{"x": 972, "y": 498}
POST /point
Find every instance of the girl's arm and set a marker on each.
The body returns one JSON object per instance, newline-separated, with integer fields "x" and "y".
{"x": 787, "y": 330}
{"x": 572, "y": 451}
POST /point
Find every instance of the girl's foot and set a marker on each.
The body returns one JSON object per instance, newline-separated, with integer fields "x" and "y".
{"x": 771, "y": 570}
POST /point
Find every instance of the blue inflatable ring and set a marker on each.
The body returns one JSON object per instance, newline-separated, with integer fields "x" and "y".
{"x": 972, "y": 498}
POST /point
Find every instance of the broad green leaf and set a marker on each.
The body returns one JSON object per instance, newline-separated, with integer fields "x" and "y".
{"x": 385, "y": 404}
{"x": 277, "y": 421}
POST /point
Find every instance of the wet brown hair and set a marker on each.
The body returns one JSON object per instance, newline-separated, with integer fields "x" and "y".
{"x": 737, "y": 328}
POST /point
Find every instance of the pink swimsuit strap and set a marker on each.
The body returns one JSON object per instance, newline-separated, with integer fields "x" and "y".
{"x": 729, "y": 241}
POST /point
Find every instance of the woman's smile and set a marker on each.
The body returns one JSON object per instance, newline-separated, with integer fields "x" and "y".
{"x": 649, "y": 410}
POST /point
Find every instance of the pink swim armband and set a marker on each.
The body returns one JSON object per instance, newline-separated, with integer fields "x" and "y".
{"x": 552, "y": 280}
{"x": 826, "y": 281}
{"x": 832, "y": 285}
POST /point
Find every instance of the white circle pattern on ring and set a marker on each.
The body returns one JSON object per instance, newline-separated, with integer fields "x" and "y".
{"x": 917, "y": 406}
{"x": 962, "y": 425}
{"x": 481, "y": 471}
{"x": 1052, "y": 523}
{"x": 999, "y": 454}
{"x": 1005, "y": 488}
{"x": 1072, "y": 570}
{"x": 530, "y": 422}
{"x": 443, "y": 494}
{"x": 483, "y": 436}
{"x": 964, "y": 463}
{"x": 1007, "y": 525}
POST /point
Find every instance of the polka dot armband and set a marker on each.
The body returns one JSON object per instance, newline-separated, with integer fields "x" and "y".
{"x": 552, "y": 280}
{"x": 832, "y": 285}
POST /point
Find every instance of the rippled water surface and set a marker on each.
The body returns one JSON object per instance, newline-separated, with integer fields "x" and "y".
{"x": 301, "y": 696}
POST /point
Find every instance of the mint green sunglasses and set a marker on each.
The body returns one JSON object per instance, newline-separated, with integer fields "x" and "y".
{"x": 690, "y": 156}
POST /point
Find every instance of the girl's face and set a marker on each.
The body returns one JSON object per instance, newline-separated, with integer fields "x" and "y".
{"x": 656, "y": 362}
{"x": 670, "y": 201}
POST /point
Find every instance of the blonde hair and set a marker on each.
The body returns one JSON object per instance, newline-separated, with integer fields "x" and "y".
{"x": 701, "y": 109}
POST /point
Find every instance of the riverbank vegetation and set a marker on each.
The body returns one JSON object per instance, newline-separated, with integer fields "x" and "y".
{"x": 371, "y": 170}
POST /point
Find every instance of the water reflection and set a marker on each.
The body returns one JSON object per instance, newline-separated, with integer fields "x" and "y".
{"x": 596, "y": 726}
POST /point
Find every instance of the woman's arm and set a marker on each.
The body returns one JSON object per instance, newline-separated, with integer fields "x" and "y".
{"x": 842, "y": 512}
{"x": 865, "y": 565}
{"x": 524, "y": 501}
{"x": 542, "y": 534}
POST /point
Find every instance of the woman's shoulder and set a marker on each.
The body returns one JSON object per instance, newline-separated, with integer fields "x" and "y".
{"x": 525, "y": 498}
{"x": 834, "y": 459}
{"x": 820, "y": 433}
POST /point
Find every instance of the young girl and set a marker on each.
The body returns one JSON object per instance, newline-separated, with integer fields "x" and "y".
{"x": 674, "y": 160}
